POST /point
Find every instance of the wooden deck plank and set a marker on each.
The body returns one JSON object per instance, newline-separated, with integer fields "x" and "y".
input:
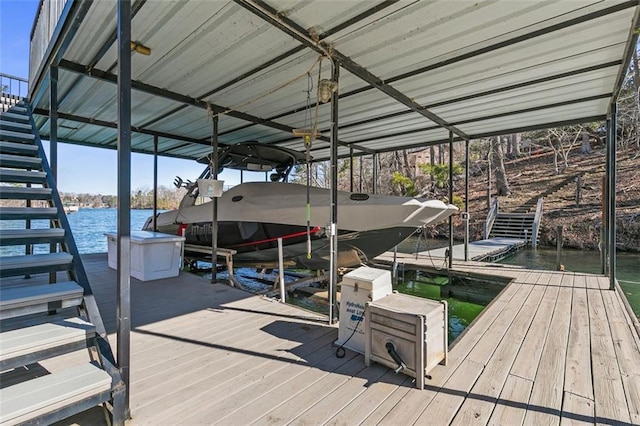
{"x": 610, "y": 402}
{"x": 444, "y": 406}
{"x": 577, "y": 410}
{"x": 200, "y": 395}
{"x": 528, "y": 359}
{"x": 578, "y": 376}
{"x": 289, "y": 409}
{"x": 626, "y": 349}
{"x": 486, "y": 391}
{"x": 374, "y": 395}
{"x": 277, "y": 383}
{"x": 545, "y": 403}
{"x": 339, "y": 398}
{"x": 511, "y": 406}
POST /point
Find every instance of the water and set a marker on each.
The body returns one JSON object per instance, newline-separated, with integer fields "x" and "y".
{"x": 627, "y": 270}
{"x": 87, "y": 225}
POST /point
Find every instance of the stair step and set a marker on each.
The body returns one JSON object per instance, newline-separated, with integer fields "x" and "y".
{"x": 31, "y": 299}
{"x": 22, "y": 176}
{"x": 12, "y": 116}
{"x": 11, "y": 266}
{"x": 28, "y": 213}
{"x": 27, "y": 345}
{"x": 18, "y": 148}
{"x": 14, "y": 237}
{"x": 24, "y": 193}
{"x": 20, "y": 161}
{"x": 9, "y": 135}
{"x": 18, "y": 109}
{"x": 15, "y": 126}
{"x": 80, "y": 387}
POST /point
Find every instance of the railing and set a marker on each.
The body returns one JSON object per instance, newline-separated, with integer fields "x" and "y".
{"x": 12, "y": 90}
{"x": 491, "y": 218}
{"x": 537, "y": 220}
{"x": 44, "y": 25}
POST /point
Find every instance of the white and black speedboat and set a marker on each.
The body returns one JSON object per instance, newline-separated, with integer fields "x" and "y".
{"x": 252, "y": 216}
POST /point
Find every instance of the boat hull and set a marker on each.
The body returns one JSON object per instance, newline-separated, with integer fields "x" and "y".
{"x": 260, "y": 248}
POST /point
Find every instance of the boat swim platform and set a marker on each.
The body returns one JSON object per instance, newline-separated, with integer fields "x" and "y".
{"x": 552, "y": 348}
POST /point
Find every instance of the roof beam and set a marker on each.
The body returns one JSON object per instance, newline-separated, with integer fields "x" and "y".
{"x": 489, "y": 117}
{"x": 177, "y": 97}
{"x": 270, "y": 15}
{"x": 632, "y": 43}
{"x": 113, "y": 125}
{"x": 469, "y": 55}
{"x": 377, "y": 8}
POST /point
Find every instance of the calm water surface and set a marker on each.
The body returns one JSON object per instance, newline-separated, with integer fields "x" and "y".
{"x": 88, "y": 227}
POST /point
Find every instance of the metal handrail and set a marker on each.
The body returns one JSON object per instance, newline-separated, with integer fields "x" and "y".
{"x": 537, "y": 220}
{"x": 13, "y": 89}
{"x": 491, "y": 218}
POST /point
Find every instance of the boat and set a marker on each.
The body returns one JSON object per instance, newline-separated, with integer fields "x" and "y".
{"x": 253, "y": 216}
{"x": 71, "y": 208}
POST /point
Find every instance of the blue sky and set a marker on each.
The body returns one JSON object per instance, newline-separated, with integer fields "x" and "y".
{"x": 82, "y": 169}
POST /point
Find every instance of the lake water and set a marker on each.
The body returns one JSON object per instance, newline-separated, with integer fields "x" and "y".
{"x": 88, "y": 227}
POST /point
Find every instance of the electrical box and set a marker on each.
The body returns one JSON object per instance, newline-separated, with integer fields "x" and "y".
{"x": 406, "y": 333}
{"x": 359, "y": 286}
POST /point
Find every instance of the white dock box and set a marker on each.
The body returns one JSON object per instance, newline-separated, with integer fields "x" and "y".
{"x": 359, "y": 286}
{"x": 153, "y": 255}
{"x": 407, "y": 333}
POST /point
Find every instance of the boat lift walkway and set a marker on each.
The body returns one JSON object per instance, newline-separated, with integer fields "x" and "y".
{"x": 490, "y": 250}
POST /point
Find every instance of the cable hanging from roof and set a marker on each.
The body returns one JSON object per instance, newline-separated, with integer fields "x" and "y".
{"x": 317, "y": 62}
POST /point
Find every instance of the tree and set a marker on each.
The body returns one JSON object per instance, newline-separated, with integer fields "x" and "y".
{"x": 498, "y": 160}
{"x": 514, "y": 145}
{"x": 586, "y": 144}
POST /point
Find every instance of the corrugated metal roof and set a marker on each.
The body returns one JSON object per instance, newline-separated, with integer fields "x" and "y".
{"x": 487, "y": 68}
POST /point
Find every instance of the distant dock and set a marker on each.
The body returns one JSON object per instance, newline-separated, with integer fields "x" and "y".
{"x": 491, "y": 250}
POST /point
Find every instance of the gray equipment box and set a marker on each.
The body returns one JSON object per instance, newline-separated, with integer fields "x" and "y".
{"x": 406, "y": 333}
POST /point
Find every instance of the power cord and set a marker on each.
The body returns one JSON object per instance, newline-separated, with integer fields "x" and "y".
{"x": 340, "y": 352}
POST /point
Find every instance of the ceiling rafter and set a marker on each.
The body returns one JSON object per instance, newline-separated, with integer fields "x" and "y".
{"x": 371, "y": 11}
{"x": 266, "y": 12}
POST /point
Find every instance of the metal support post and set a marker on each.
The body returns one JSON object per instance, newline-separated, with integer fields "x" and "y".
{"x": 53, "y": 121}
{"x": 53, "y": 142}
{"x": 360, "y": 179}
{"x": 466, "y": 200}
{"x": 604, "y": 235}
{"x": 124, "y": 196}
{"x": 281, "y": 271}
{"x": 155, "y": 183}
{"x": 450, "y": 263}
{"x": 611, "y": 147}
{"x": 333, "y": 232}
{"x": 214, "y": 202}
{"x": 559, "y": 266}
{"x": 375, "y": 173}
{"x": 351, "y": 168}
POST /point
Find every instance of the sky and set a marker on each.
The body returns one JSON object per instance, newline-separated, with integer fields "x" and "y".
{"x": 83, "y": 169}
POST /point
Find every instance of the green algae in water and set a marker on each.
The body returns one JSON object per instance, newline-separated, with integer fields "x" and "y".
{"x": 460, "y": 312}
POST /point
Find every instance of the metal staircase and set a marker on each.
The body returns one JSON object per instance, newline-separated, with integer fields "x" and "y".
{"x": 523, "y": 226}
{"x": 40, "y": 318}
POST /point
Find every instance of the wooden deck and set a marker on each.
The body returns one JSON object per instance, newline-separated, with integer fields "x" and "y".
{"x": 553, "y": 348}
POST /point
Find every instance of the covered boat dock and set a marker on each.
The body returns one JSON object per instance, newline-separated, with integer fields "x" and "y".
{"x": 182, "y": 78}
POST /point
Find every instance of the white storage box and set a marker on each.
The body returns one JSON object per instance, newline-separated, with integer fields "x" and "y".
{"x": 359, "y": 286}
{"x": 407, "y": 333}
{"x": 153, "y": 255}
